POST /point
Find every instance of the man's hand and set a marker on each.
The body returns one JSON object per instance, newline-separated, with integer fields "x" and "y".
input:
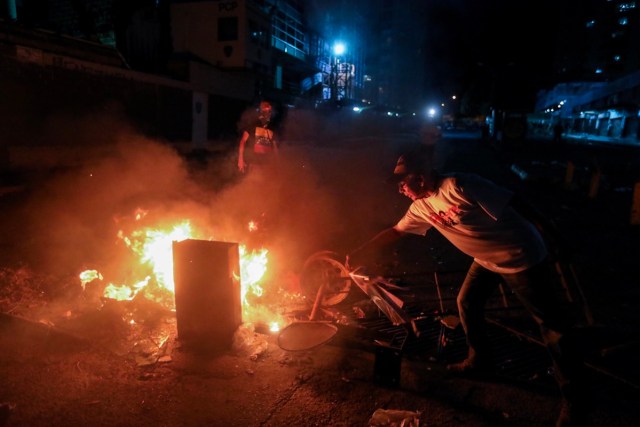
{"x": 352, "y": 266}
{"x": 242, "y": 166}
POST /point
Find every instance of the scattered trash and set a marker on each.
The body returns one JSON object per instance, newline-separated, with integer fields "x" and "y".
{"x": 306, "y": 335}
{"x": 395, "y": 418}
{"x": 47, "y": 322}
{"x": 450, "y": 321}
{"x": 165, "y": 359}
{"x": 520, "y": 172}
{"x": 146, "y": 359}
{"x": 247, "y": 341}
{"x": 147, "y": 376}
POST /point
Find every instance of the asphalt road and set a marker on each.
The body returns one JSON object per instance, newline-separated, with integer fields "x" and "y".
{"x": 52, "y": 377}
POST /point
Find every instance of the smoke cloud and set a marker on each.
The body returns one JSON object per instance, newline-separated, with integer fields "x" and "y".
{"x": 108, "y": 181}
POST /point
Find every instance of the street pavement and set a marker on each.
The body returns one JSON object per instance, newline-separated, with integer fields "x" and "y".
{"x": 344, "y": 382}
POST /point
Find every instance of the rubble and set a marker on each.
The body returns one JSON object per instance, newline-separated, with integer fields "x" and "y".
{"x": 394, "y": 418}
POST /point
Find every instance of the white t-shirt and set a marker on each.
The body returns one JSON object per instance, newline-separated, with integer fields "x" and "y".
{"x": 474, "y": 215}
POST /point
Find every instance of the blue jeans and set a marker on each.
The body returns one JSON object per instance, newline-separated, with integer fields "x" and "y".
{"x": 535, "y": 289}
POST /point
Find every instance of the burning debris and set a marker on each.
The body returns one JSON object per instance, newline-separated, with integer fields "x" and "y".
{"x": 223, "y": 283}
{"x": 208, "y": 294}
{"x": 111, "y": 239}
{"x": 137, "y": 315}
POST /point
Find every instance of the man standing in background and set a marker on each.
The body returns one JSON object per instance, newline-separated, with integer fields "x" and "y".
{"x": 258, "y": 144}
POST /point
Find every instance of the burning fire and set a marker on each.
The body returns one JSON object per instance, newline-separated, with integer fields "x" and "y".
{"x": 153, "y": 246}
{"x": 153, "y": 251}
{"x": 88, "y": 276}
{"x": 252, "y": 269}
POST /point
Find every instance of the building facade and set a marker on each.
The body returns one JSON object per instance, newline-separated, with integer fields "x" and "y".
{"x": 598, "y": 66}
{"x": 229, "y": 54}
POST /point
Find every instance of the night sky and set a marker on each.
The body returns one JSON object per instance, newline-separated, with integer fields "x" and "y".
{"x": 493, "y": 51}
{"x": 499, "y": 50}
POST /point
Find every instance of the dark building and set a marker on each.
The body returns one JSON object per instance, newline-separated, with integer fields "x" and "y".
{"x": 218, "y": 56}
{"x": 397, "y": 55}
{"x": 598, "y": 40}
{"x": 598, "y": 73}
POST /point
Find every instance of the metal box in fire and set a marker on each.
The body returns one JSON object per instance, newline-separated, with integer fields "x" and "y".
{"x": 207, "y": 293}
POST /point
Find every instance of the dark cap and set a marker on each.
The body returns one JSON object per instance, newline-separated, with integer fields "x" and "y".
{"x": 405, "y": 165}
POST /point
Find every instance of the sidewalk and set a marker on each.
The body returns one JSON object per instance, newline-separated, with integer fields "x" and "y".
{"x": 587, "y": 138}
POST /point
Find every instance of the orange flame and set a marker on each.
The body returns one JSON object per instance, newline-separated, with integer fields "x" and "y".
{"x": 88, "y": 276}
{"x": 252, "y": 269}
{"x": 153, "y": 250}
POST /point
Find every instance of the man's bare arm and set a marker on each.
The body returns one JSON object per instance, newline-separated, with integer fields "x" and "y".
{"x": 241, "y": 146}
{"x": 384, "y": 238}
